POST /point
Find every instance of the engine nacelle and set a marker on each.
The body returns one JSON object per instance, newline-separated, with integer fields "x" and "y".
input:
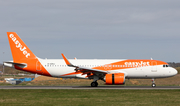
{"x": 115, "y": 79}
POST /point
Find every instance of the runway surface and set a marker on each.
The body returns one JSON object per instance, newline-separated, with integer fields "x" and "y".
{"x": 88, "y": 87}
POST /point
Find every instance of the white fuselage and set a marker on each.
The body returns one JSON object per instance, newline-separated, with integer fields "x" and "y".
{"x": 57, "y": 68}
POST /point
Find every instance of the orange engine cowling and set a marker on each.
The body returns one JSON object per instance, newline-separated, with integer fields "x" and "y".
{"x": 115, "y": 79}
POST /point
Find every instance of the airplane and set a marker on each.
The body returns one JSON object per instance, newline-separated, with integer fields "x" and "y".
{"x": 111, "y": 71}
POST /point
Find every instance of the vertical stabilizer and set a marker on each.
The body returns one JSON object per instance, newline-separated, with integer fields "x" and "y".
{"x": 18, "y": 48}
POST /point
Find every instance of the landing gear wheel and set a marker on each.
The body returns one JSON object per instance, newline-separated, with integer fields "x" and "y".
{"x": 153, "y": 85}
{"x": 94, "y": 84}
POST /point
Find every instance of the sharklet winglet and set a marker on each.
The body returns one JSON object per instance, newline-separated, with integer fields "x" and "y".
{"x": 66, "y": 61}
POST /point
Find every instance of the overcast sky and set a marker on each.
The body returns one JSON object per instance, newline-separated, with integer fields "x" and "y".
{"x": 93, "y": 29}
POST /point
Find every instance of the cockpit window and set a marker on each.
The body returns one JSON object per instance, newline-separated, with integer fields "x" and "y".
{"x": 166, "y": 66}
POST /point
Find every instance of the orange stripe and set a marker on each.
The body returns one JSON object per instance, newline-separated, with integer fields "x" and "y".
{"x": 126, "y": 64}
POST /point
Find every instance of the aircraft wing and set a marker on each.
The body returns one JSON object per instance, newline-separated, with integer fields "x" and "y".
{"x": 84, "y": 70}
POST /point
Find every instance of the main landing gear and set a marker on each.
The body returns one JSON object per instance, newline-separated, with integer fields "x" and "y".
{"x": 153, "y": 83}
{"x": 94, "y": 84}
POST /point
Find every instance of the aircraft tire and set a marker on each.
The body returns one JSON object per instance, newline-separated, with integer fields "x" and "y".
{"x": 94, "y": 84}
{"x": 153, "y": 85}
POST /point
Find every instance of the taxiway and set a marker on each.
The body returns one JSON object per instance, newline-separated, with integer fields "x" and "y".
{"x": 88, "y": 87}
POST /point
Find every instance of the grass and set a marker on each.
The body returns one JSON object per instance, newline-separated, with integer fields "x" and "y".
{"x": 89, "y": 97}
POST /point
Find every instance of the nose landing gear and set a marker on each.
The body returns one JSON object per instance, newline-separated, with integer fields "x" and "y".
{"x": 153, "y": 83}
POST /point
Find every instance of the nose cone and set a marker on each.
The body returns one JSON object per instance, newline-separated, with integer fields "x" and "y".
{"x": 174, "y": 71}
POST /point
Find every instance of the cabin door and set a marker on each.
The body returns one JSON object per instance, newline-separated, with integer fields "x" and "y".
{"x": 154, "y": 66}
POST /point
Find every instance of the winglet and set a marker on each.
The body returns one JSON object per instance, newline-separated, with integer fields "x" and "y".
{"x": 66, "y": 60}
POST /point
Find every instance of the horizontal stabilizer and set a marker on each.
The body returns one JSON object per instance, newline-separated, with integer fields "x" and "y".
{"x": 11, "y": 64}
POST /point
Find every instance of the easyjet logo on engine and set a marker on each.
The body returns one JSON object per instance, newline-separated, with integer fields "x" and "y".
{"x": 19, "y": 45}
{"x": 137, "y": 64}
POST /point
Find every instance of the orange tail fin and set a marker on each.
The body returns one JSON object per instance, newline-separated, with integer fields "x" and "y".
{"x": 18, "y": 48}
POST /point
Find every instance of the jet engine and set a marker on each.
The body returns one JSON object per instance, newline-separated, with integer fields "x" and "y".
{"x": 115, "y": 79}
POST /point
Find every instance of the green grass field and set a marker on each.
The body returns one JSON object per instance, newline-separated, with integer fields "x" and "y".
{"x": 89, "y": 97}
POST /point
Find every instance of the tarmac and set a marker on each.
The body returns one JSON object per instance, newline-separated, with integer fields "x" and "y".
{"x": 88, "y": 87}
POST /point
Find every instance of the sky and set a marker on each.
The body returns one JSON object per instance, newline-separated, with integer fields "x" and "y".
{"x": 93, "y": 29}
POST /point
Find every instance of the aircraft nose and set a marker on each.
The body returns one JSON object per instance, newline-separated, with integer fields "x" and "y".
{"x": 174, "y": 71}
